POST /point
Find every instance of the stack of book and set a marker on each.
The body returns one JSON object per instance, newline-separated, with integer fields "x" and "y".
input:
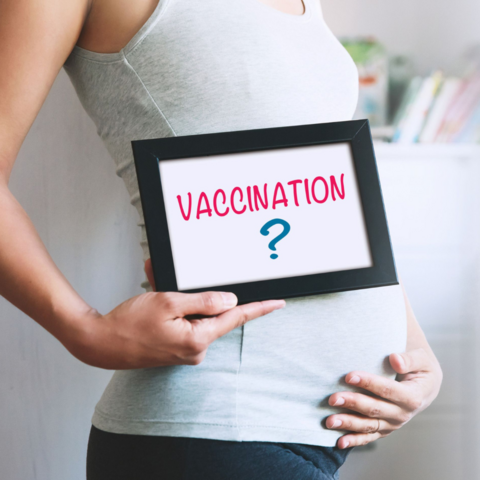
{"x": 440, "y": 109}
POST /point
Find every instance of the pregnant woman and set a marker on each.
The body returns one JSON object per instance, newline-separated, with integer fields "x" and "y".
{"x": 282, "y": 397}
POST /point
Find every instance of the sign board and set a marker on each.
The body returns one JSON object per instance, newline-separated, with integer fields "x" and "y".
{"x": 271, "y": 213}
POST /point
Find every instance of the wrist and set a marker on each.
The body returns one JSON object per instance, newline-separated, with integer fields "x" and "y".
{"x": 77, "y": 329}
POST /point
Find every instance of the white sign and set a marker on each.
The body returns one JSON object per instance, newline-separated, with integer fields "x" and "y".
{"x": 262, "y": 215}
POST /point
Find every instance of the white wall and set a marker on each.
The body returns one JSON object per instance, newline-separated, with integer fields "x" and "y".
{"x": 66, "y": 181}
{"x": 433, "y": 32}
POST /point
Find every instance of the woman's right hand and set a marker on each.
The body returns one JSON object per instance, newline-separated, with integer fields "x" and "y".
{"x": 152, "y": 330}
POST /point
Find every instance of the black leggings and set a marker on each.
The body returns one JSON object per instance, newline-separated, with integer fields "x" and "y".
{"x": 140, "y": 457}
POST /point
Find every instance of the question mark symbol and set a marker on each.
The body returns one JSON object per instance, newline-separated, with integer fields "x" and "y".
{"x": 265, "y": 231}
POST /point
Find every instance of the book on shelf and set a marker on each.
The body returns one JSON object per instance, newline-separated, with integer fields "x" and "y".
{"x": 460, "y": 110}
{"x": 471, "y": 131}
{"x": 416, "y": 115}
{"x": 440, "y": 110}
{"x": 448, "y": 91}
{"x": 406, "y": 107}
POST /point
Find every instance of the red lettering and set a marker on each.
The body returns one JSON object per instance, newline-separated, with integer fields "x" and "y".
{"x": 294, "y": 184}
{"x": 208, "y": 210}
{"x": 256, "y": 200}
{"x": 179, "y": 198}
{"x": 232, "y": 201}
{"x": 257, "y": 197}
{"x": 334, "y": 186}
{"x": 249, "y": 196}
{"x": 224, "y": 201}
{"x": 326, "y": 189}
{"x": 279, "y": 187}
{"x": 307, "y": 194}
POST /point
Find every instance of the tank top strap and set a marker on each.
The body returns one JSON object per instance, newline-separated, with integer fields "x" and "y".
{"x": 315, "y": 7}
{"x": 144, "y": 30}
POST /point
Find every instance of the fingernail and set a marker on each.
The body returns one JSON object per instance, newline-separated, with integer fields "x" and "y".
{"x": 340, "y": 401}
{"x": 346, "y": 445}
{"x": 229, "y": 299}
{"x": 336, "y": 424}
{"x": 280, "y": 304}
{"x": 355, "y": 379}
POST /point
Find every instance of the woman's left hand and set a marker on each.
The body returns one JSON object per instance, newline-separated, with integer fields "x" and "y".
{"x": 395, "y": 401}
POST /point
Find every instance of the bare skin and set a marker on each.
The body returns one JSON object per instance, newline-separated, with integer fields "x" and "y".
{"x": 36, "y": 36}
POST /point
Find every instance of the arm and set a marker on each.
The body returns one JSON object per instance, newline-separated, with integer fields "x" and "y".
{"x": 397, "y": 401}
{"x": 36, "y": 36}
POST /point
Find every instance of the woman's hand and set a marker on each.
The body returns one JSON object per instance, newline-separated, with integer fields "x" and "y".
{"x": 395, "y": 401}
{"x": 152, "y": 330}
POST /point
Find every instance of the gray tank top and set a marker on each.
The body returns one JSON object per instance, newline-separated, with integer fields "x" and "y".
{"x": 222, "y": 65}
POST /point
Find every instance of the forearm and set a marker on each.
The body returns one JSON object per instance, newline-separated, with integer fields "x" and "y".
{"x": 29, "y": 278}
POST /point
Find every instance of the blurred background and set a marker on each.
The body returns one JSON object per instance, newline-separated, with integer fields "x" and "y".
{"x": 420, "y": 87}
{"x": 418, "y": 63}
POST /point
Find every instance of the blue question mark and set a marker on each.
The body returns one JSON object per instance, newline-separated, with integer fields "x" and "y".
{"x": 265, "y": 231}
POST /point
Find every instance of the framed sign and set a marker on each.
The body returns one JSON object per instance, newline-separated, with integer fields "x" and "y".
{"x": 266, "y": 214}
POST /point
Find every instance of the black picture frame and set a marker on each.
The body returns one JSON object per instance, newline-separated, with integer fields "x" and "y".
{"x": 148, "y": 154}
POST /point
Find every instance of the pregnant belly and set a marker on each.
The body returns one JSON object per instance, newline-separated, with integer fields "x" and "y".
{"x": 275, "y": 372}
{"x": 298, "y": 356}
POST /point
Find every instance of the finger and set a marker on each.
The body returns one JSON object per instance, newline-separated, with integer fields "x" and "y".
{"x": 383, "y": 387}
{"x": 357, "y": 423}
{"x": 368, "y": 406}
{"x": 221, "y": 325}
{"x": 205, "y": 303}
{"x": 149, "y": 272}
{"x": 357, "y": 440}
{"x": 412, "y": 361}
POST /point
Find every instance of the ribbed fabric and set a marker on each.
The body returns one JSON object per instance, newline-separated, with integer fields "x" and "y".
{"x": 223, "y": 65}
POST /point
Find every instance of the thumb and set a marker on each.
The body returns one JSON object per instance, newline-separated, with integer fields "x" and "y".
{"x": 408, "y": 362}
{"x": 149, "y": 273}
